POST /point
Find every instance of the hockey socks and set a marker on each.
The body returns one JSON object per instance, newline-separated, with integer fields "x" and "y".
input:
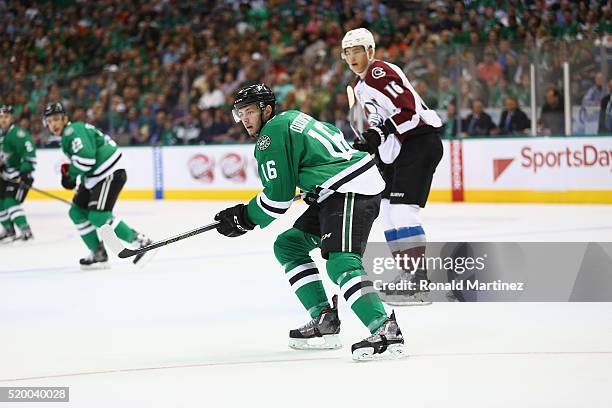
{"x": 15, "y": 213}
{"x": 4, "y": 217}
{"x": 346, "y": 270}
{"x": 291, "y": 249}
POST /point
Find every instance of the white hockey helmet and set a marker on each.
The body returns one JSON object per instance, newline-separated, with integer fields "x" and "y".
{"x": 358, "y": 36}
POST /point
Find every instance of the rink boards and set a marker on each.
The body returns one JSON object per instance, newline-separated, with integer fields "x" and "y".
{"x": 547, "y": 170}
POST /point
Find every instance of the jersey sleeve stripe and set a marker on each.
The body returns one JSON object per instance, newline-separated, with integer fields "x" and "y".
{"x": 405, "y": 121}
{"x": 283, "y": 205}
{"x": 80, "y": 166}
{"x": 83, "y": 160}
{"x": 270, "y": 211}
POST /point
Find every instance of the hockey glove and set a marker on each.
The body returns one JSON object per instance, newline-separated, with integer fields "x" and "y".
{"x": 26, "y": 179}
{"x": 374, "y": 137}
{"x": 309, "y": 198}
{"x": 234, "y": 221}
{"x": 67, "y": 182}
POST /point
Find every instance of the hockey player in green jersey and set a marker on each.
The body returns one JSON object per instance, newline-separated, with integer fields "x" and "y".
{"x": 96, "y": 161}
{"x": 294, "y": 150}
{"x": 17, "y": 162}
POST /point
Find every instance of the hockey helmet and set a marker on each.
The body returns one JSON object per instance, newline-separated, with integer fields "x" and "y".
{"x": 260, "y": 94}
{"x": 6, "y": 109}
{"x": 356, "y": 37}
{"x": 54, "y": 108}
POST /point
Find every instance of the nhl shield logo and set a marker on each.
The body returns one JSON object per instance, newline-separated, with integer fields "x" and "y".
{"x": 263, "y": 142}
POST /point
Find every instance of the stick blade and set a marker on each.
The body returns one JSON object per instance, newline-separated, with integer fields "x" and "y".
{"x": 111, "y": 239}
{"x": 350, "y": 94}
{"x": 126, "y": 253}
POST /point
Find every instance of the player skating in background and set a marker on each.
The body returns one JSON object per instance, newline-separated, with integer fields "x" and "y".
{"x": 17, "y": 163}
{"x": 295, "y": 150}
{"x": 405, "y": 135}
{"x": 96, "y": 160}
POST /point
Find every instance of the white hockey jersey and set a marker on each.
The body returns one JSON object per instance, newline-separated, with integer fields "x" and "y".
{"x": 386, "y": 92}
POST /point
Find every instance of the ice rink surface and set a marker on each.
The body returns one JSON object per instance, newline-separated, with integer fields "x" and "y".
{"x": 205, "y": 323}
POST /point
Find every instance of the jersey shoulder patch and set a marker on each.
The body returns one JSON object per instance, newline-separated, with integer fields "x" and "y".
{"x": 263, "y": 142}
{"x": 69, "y": 131}
{"x": 21, "y": 133}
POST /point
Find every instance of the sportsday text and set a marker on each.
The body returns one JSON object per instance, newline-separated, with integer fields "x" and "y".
{"x": 459, "y": 265}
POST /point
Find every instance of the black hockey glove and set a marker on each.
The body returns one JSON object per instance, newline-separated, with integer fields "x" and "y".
{"x": 67, "y": 182}
{"x": 26, "y": 179}
{"x": 234, "y": 221}
{"x": 374, "y": 137}
{"x": 309, "y": 198}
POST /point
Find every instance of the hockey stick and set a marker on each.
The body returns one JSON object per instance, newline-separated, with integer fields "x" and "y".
{"x": 356, "y": 114}
{"x": 43, "y": 192}
{"x": 114, "y": 243}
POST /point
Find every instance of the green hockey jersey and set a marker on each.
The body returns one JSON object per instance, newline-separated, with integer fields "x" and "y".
{"x": 93, "y": 155}
{"x": 18, "y": 152}
{"x": 295, "y": 150}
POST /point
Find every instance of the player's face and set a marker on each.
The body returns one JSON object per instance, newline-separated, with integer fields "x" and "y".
{"x": 357, "y": 59}
{"x": 56, "y": 123}
{"x": 5, "y": 121}
{"x": 250, "y": 118}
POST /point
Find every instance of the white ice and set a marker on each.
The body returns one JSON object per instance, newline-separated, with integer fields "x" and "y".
{"x": 205, "y": 323}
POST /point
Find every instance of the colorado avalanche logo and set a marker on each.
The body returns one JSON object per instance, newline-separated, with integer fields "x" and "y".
{"x": 201, "y": 168}
{"x": 233, "y": 167}
{"x": 378, "y": 73}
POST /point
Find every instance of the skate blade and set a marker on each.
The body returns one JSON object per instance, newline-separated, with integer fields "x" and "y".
{"x": 327, "y": 342}
{"x": 418, "y": 299}
{"x": 95, "y": 267}
{"x": 393, "y": 352}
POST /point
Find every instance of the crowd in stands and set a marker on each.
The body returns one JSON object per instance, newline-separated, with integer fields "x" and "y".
{"x": 165, "y": 71}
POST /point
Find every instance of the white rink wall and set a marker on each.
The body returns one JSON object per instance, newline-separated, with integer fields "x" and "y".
{"x": 562, "y": 170}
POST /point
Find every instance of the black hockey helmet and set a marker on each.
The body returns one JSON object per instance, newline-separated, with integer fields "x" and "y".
{"x": 6, "y": 109}
{"x": 54, "y": 108}
{"x": 258, "y": 93}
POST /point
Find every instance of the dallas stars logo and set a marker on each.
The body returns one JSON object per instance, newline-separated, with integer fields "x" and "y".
{"x": 263, "y": 142}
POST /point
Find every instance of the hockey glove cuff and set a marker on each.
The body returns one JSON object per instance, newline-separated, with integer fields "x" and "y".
{"x": 26, "y": 179}
{"x": 234, "y": 221}
{"x": 67, "y": 182}
{"x": 374, "y": 137}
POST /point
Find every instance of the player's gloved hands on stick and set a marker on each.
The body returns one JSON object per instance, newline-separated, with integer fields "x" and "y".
{"x": 374, "y": 137}
{"x": 26, "y": 178}
{"x": 67, "y": 182}
{"x": 234, "y": 221}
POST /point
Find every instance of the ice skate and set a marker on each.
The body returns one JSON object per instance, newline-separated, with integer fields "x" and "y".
{"x": 97, "y": 259}
{"x": 321, "y": 333}
{"x": 26, "y": 235}
{"x": 387, "y": 343}
{"x": 141, "y": 242}
{"x": 407, "y": 296}
{"x": 8, "y": 235}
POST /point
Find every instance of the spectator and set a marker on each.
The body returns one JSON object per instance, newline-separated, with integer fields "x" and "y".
{"x": 187, "y": 130}
{"x": 513, "y": 120}
{"x": 159, "y": 127}
{"x": 489, "y": 71}
{"x": 450, "y": 127}
{"x": 605, "y": 112}
{"x": 595, "y": 93}
{"x": 477, "y": 123}
{"x": 552, "y": 120}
